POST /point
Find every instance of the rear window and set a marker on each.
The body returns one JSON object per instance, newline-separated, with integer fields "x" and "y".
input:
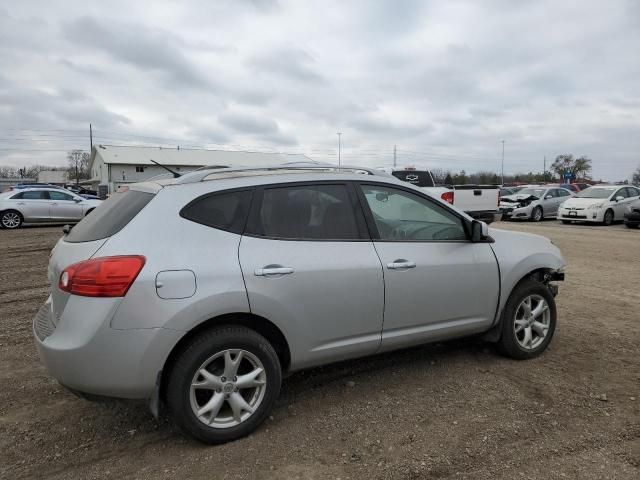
{"x": 110, "y": 217}
{"x": 415, "y": 177}
{"x": 225, "y": 211}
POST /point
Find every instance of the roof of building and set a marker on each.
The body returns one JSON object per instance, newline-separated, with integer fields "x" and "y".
{"x": 189, "y": 157}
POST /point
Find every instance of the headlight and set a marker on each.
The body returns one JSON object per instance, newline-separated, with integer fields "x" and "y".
{"x": 596, "y": 205}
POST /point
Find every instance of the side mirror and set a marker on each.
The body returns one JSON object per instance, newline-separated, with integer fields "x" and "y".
{"x": 548, "y": 197}
{"x": 619, "y": 197}
{"x": 479, "y": 231}
{"x": 77, "y": 200}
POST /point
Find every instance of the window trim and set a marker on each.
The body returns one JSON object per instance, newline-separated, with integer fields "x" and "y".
{"x": 373, "y": 228}
{"x": 253, "y": 220}
{"x": 251, "y": 190}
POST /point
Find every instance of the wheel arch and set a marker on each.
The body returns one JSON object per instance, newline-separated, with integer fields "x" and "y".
{"x": 259, "y": 324}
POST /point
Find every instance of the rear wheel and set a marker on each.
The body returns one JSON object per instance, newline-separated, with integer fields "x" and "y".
{"x": 11, "y": 219}
{"x": 223, "y": 384}
{"x": 608, "y": 217}
{"x": 537, "y": 215}
{"x": 528, "y": 321}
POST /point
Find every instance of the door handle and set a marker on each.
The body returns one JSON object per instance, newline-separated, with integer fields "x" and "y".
{"x": 272, "y": 271}
{"x": 401, "y": 265}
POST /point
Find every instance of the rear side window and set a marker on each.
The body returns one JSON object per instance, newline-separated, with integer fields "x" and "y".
{"x": 307, "y": 212}
{"x": 225, "y": 211}
{"x": 110, "y": 216}
{"x": 31, "y": 195}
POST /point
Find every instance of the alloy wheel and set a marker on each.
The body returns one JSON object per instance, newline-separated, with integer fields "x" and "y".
{"x": 532, "y": 321}
{"x": 11, "y": 220}
{"x": 228, "y": 388}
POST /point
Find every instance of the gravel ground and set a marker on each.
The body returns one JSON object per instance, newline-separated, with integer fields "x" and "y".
{"x": 454, "y": 410}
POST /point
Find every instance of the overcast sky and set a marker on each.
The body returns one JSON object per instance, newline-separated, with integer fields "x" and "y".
{"x": 445, "y": 81}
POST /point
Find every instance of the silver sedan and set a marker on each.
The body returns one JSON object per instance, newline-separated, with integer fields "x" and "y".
{"x": 38, "y": 205}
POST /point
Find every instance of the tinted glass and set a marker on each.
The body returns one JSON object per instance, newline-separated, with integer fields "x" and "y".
{"x": 415, "y": 177}
{"x": 308, "y": 212}
{"x": 563, "y": 193}
{"x": 225, "y": 210}
{"x": 54, "y": 195}
{"x": 32, "y": 195}
{"x": 633, "y": 192}
{"x": 110, "y": 216}
{"x": 403, "y": 216}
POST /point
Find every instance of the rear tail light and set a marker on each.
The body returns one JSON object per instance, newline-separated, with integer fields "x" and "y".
{"x": 447, "y": 197}
{"x": 101, "y": 277}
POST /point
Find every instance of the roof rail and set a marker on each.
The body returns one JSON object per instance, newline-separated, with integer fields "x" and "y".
{"x": 204, "y": 172}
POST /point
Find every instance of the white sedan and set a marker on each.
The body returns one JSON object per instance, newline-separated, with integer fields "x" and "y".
{"x": 601, "y": 204}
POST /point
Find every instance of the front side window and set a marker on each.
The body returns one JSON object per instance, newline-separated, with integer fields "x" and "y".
{"x": 307, "y": 212}
{"x": 563, "y": 193}
{"x": 225, "y": 210}
{"x": 404, "y": 216}
{"x": 55, "y": 195}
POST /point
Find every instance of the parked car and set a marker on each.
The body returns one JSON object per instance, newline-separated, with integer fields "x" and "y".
{"x": 600, "y": 203}
{"x": 534, "y": 203}
{"x": 200, "y": 292}
{"x": 36, "y": 185}
{"x": 632, "y": 215}
{"x": 582, "y": 186}
{"x": 478, "y": 201}
{"x": 37, "y": 205}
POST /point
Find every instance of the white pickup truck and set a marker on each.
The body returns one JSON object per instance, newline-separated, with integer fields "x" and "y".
{"x": 478, "y": 201}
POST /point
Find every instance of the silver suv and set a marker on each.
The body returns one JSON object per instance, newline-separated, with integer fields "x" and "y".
{"x": 199, "y": 293}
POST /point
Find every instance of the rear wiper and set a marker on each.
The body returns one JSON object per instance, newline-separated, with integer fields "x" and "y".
{"x": 175, "y": 174}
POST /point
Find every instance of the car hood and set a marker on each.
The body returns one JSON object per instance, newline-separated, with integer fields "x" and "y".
{"x": 583, "y": 202}
{"x": 517, "y": 197}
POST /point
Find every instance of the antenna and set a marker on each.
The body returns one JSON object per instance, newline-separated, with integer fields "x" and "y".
{"x": 175, "y": 174}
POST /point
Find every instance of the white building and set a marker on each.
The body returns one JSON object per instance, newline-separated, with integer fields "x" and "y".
{"x": 54, "y": 177}
{"x": 112, "y": 166}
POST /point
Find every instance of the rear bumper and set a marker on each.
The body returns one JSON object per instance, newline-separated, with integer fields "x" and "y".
{"x": 86, "y": 355}
{"x": 487, "y": 216}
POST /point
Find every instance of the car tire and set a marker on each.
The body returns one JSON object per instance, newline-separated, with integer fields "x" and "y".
{"x": 631, "y": 225}
{"x": 537, "y": 214}
{"x": 522, "y": 336}
{"x": 566, "y": 222}
{"x": 11, "y": 219}
{"x": 189, "y": 393}
{"x": 608, "y": 218}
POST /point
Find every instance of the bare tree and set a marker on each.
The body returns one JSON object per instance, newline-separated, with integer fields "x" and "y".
{"x": 580, "y": 167}
{"x": 636, "y": 177}
{"x": 78, "y": 161}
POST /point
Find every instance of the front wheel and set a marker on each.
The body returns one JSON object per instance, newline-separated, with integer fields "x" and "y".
{"x": 528, "y": 321}
{"x": 11, "y": 219}
{"x": 608, "y": 218}
{"x": 223, "y": 384}
{"x": 536, "y": 215}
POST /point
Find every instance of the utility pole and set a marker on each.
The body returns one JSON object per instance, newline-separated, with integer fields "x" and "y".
{"x": 502, "y": 162}
{"x": 339, "y": 148}
{"x": 394, "y": 156}
{"x": 90, "y": 139}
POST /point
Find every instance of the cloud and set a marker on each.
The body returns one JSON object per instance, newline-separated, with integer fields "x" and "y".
{"x": 447, "y": 79}
{"x": 150, "y": 49}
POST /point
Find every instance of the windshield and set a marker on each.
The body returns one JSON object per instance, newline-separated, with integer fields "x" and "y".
{"x": 595, "y": 193}
{"x": 536, "y": 192}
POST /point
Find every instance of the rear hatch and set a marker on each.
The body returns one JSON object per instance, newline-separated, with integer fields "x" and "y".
{"x": 87, "y": 237}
